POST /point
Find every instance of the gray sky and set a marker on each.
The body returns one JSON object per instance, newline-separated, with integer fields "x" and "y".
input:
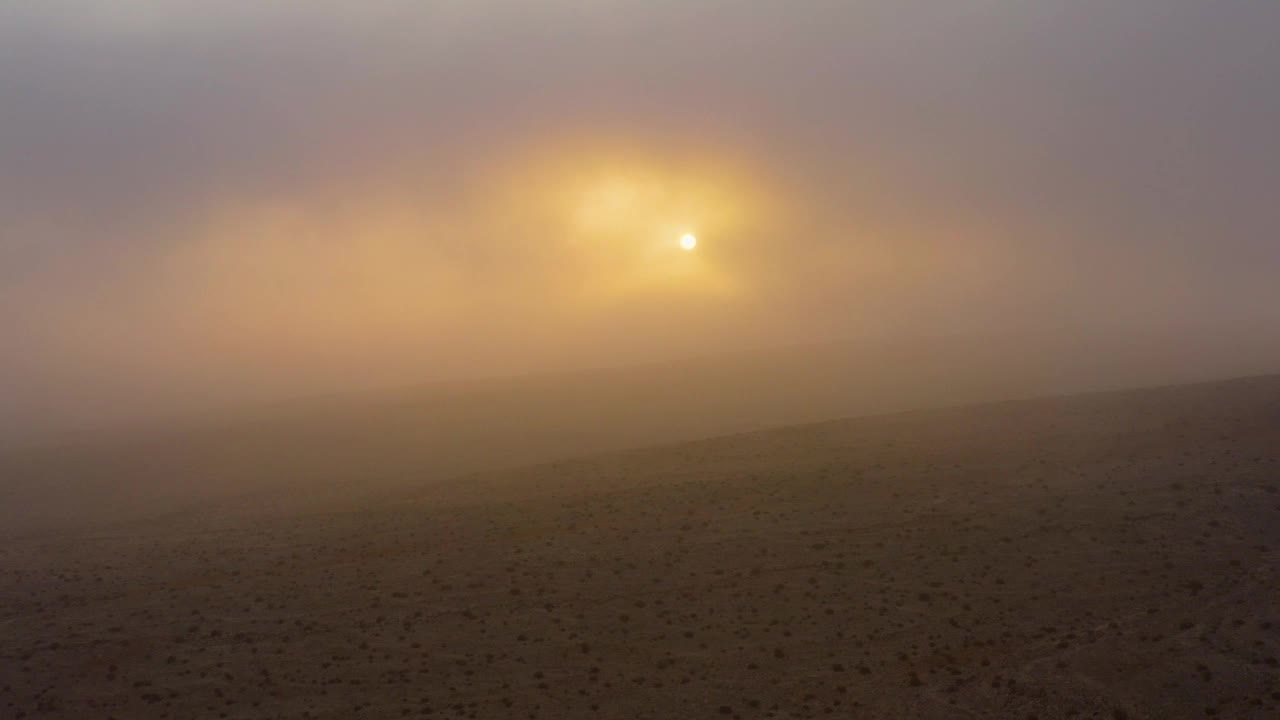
{"x": 201, "y": 199}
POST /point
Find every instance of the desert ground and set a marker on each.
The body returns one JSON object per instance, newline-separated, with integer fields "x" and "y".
{"x": 1094, "y": 556}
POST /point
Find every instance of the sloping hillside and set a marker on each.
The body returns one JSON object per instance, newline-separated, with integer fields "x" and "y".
{"x": 1103, "y": 556}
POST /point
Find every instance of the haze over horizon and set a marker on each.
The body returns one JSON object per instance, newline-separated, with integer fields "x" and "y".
{"x": 241, "y": 201}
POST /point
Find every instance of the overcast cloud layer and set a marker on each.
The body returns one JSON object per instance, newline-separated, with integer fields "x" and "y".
{"x": 209, "y": 198}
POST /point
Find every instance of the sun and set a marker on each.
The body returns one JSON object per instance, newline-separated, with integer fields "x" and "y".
{"x": 688, "y": 241}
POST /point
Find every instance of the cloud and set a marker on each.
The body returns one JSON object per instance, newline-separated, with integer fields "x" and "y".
{"x": 228, "y": 192}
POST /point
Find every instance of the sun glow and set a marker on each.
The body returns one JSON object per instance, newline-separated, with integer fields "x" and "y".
{"x": 626, "y": 217}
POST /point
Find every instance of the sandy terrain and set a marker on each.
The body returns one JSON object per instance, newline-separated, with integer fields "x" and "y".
{"x": 1106, "y": 556}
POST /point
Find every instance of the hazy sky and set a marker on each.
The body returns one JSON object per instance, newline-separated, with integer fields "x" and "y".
{"x": 206, "y": 198}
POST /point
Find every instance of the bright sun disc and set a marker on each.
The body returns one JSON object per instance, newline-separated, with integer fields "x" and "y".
{"x": 688, "y": 242}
